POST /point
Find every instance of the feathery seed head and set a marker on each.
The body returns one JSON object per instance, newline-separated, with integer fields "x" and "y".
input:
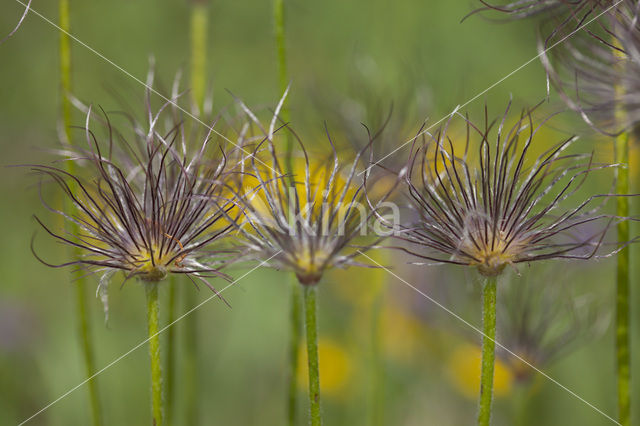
{"x": 500, "y": 207}
{"x": 599, "y": 76}
{"x": 141, "y": 202}
{"x": 520, "y": 9}
{"x": 306, "y": 221}
{"x": 541, "y": 321}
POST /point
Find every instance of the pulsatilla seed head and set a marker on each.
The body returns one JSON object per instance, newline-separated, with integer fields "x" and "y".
{"x": 541, "y": 321}
{"x": 577, "y": 10}
{"x": 560, "y": 19}
{"x": 483, "y": 202}
{"x": 599, "y": 76}
{"x": 138, "y": 201}
{"x": 307, "y": 221}
{"x": 307, "y": 216}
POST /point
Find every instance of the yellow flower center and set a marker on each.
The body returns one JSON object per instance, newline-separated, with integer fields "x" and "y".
{"x": 310, "y": 265}
{"x": 492, "y": 253}
{"x": 150, "y": 266}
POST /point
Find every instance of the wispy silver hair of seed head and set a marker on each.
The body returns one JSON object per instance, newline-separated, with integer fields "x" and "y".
{"x": 308, "y": 221}
{"x": 560, "y": 19}
{"x": 143, "y": 200}
{"x": 541, "y": 321}
{"x": 500, "y": 208}
{"x": 521, "y": 9}
{"x": 20, "y": 21}
{"x": 599, "y": 76}
{"x": 388, "y": 109}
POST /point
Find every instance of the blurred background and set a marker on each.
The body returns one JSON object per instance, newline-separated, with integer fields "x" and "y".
{"x": 348, "y": 62}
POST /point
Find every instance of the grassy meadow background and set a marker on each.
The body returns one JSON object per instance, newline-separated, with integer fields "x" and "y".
{"x": 414, "y": 54}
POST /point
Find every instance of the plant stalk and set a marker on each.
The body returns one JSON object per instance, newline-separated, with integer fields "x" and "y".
{"x": 154, "y": 353}
{"x": 621, "y": 157}
{"x": 171, "y": 352}
{"x": 84, "y": 325}
{"x": 488, "y": 350}
{"x": 199, "y": 28}
{"x": 65, "y": 65}
{"x": 622, "y": 285}
{"x": 311, "y": 324}
{"x": 84, "y": 331}
{"x": 376, "y": 398}
{"x": 283, "y": 77}
{"x": 295, "y": 316}
{"x": 190, "y": 360}
{"x": 294, "y": 343}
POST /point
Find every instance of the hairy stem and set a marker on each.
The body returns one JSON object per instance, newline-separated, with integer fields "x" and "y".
{"x": 199, "y": 28}
{"x": 283, "y": 77}
{"x": 310, "y": 293}
{"x": 521, "y": 397}
{"x": 294, "y": 343}
{"x": 376, "y": 403}
{"x": 84, "y": 326}
{"x": 488, "y": 350}
{"x": 171, "y": 352}
{"x": 622, "y": 286}
{"x": 154, "y": 353}
{"x": 84, "y": 331}
{"x": 190, "y": 360}
{"x": 65, "y": 66}
{"x": 621, "y": 157}
{"x": 294, "y": 327}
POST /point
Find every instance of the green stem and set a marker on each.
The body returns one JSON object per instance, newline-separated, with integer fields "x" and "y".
{"x": 199, "y": 29}
{"x": 171, "y": 351}
{"x": 488, "y": 350}
{"x": 190, "y": 361}
{"x": 294, "y": 327}
{"x": 622, "y": 285}
{"x": 377, "y": 373}
{"x": 520, "y": 396}
{"x": 621, "y": 154}
{"x": 154, "y": 353}
{"x": 311, "y": 324}
{"x": 283, "y": 78}
{"x": 294, "y": 343}
{"x": 84, "y": 331}
{"x": 84, "y": 326}
{"x": 65, "y": 65}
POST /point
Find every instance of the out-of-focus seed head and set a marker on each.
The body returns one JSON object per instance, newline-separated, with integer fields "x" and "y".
{"x": 389, "y": 106}
{"x": 599, "y": 76}
{"x": 541, "y": 321}
{"x": 576, "y": 10}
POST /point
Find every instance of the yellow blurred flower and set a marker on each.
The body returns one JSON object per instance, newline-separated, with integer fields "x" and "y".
{"x": 361, "y": 286}
{"x": 336, "y": 368}
{"x": 463, "y": 370}
{"x": 403, "y": 334}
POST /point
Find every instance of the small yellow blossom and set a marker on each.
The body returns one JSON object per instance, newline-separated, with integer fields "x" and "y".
{"x": 336, "y": 367}
{"x": 463, "y": 371}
